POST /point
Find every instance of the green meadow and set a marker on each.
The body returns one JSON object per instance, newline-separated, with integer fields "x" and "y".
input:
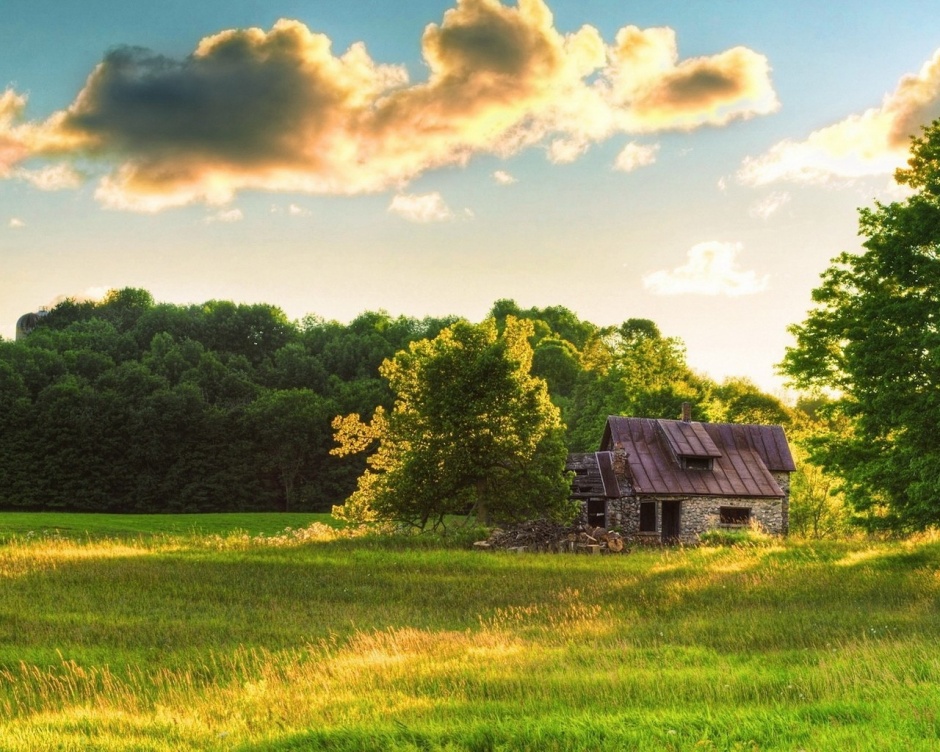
{"x": 228, "y": 632}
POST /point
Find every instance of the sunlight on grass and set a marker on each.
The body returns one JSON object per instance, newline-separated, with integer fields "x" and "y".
{"x": 854, "y": 558}
{"x": 17, "y": 559}
{"x": 308, "y": 641}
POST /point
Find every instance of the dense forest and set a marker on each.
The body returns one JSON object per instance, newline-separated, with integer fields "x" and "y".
{"x": 136, "y": 406}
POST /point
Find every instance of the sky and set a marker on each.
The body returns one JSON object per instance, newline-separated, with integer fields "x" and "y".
{"x": 697, "y": 164}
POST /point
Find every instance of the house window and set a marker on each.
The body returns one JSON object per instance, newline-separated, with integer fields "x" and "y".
{"x": 696, "y": 463}
{"x": 597, "y": 512}
{"x": 647, "y": 516}
{"x": 735, "y": 515}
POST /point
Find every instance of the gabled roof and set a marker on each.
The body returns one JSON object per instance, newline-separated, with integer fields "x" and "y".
{"x": 743, "y": 456}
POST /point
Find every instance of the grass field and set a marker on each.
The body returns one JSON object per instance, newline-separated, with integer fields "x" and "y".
{"x": 165, "y": 633}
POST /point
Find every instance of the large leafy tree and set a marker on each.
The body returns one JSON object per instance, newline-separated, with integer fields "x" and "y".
{"x": 630, "y": 370}
{"x": 471, "y": 430}
{"x": 873, "y": 338}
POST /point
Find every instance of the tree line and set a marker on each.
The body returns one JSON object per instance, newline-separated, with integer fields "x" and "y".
{"x": 130, "y": 405}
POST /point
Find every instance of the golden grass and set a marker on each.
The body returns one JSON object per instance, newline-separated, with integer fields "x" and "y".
{"x": 826, "y": 646}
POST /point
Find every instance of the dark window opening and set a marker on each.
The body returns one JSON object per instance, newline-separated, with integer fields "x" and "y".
{"x": 597, "y": 512}
{"x": 647, "y": 516}
{"x": 735, "y": 515}
{"x": 697, "y": 463}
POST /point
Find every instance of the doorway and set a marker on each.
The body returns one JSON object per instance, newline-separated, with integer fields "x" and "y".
{"x": 671, "y": 521}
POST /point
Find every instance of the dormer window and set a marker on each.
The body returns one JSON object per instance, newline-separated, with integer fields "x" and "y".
{"x": 696, "y": 463}
{"x": 689, "y": 443}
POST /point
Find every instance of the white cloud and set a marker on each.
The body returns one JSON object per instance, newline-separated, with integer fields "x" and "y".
{"x": 566, "y": 150}
{"x": 16, "y": 223}
{"x": 875, "y": 142}
{"x": 710, "y": 270}
{"x": 297, "y": 211}
{"x": 52, "y": 178}
{"x": 503, "y": 178}
{"x": 634, "y": 156}
{"x": 424, "y": 207}
{"x": 226, "y": 215}
{"x": 766, "y": 207}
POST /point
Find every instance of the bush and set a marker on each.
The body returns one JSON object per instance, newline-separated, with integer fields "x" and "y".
{"x": 750, "y": 536}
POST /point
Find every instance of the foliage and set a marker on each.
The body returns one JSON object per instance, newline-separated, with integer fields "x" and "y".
{"x": 817, "y": 505}
{"x": 873, "y": 339}
{"x": 471, "y": 430}
{"x": 129, "y": 405}
{"x": 631, "y": 370}
{"x": 751, "y": 536}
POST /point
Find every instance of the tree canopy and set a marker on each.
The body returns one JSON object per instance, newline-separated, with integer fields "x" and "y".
{"x": 128, "y": 405}
{"x": 873, "y": 339}
{"x": 471, "y": 431}
{"x": 131, "y": 405}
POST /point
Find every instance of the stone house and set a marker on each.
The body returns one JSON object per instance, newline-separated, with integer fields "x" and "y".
{"x": 670, "y": 480}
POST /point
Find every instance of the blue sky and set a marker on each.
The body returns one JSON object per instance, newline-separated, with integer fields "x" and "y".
{"x": 693, "y": 163}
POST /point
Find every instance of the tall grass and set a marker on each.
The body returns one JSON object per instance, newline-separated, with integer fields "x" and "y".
{"x": 296, "y": 641}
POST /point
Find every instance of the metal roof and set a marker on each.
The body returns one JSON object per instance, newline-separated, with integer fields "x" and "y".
{"x": 743, "y": 457}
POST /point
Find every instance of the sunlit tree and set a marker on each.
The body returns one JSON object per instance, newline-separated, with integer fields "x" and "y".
{"x": 873, "y": 339}
{"x": 471, "y": 431}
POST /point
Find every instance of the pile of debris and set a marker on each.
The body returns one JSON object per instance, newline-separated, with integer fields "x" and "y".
{"x": 549, "y": 537}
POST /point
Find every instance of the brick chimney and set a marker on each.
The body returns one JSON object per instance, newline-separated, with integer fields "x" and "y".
{"x": 686, "y": 412}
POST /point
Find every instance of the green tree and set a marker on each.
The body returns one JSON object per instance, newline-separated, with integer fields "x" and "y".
{"x": 292, "y": 430}
{"x": 629, "y": 370}
{"x": 738, "y": 400}
{"x": 471, "y": 431}
{"x": 873, "y": 338}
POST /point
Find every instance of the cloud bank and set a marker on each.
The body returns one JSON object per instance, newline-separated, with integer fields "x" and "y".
{"x": 278, "y": 110}
{"x": 875, "y": 142}
{"x": 711, "y": 269}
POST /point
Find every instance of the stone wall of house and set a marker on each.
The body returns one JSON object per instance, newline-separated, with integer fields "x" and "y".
{"x": 697, "y": 515}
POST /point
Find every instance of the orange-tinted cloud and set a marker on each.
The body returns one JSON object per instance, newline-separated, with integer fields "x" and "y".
{"x": 278, "y": 110}
{"x": 875, "y": 142}
{"x": 660, "y": 92}
{"x": 12, "y": 148}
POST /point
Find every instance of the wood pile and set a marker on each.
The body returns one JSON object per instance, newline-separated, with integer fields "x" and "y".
{"x": 549, "y": 537}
